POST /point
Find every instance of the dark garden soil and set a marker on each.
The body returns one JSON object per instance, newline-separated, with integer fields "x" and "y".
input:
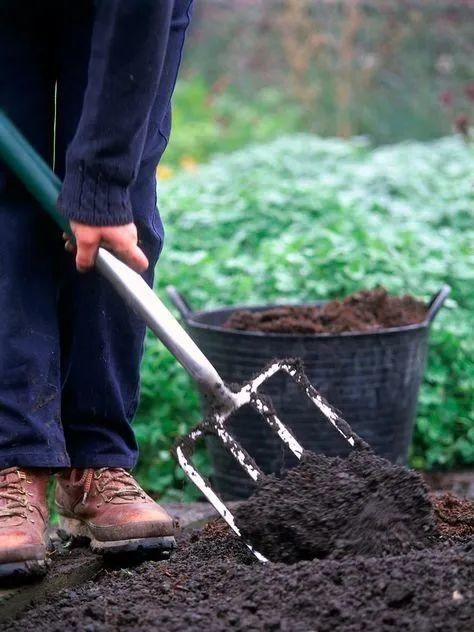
{"x": 336, "y": 507}
{"x": 393, "y": 572}
{"x": 213, "y": 584}
{"x": 363, "y": 311}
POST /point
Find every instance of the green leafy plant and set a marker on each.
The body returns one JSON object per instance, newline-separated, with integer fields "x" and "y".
{"x": 301, "y": 219}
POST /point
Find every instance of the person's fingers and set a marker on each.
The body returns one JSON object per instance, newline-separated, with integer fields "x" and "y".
{"x": 125, "y": 246}
{"x": 132, "y": 255}
{"x": 87, "y": 247}
{"x": 121, "y": 240}
{"x": 70, "y": 247}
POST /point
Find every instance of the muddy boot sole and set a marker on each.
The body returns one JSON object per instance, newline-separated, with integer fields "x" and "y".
{"x": 77, "y": 532}
{"x": 22, "y": 570}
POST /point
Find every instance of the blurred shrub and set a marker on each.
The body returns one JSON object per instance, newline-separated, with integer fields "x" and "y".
{"x": 373, "y": 67}
{"x": 209, "y": 120}
{"x": 304, "y": 218}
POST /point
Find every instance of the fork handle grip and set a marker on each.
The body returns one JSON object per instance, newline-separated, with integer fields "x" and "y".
{"x": 31, "y": 169}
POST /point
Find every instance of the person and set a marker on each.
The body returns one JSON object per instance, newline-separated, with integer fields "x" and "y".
{"x": 89, "y": 83}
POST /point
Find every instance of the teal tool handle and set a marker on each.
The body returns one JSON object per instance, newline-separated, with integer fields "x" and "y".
{"x": 31, "y": 169}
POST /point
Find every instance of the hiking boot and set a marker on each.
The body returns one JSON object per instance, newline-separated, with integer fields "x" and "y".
{"x": 23, "y": 521}
{"x": 107, "y": 507}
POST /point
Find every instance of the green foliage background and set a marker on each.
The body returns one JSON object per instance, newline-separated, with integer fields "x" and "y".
{"x": 304, "y": 218}
{"x": 205, "y": 123}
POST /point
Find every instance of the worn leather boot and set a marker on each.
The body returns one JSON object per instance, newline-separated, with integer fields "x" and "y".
{"x": 107, "y": 507}
{"x": 23, "y": 521}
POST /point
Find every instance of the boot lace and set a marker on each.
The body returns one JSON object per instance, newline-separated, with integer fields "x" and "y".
{"x": 116, "y": 482}
{"x": 14, "y": 493}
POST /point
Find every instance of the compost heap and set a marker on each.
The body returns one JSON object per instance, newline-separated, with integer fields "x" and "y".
{"x": 363, "y": 311}
{"x": 392, "y": 571}
{"x": 455, "y": 516}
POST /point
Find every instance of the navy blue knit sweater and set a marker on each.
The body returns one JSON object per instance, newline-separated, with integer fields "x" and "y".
{"x": 128, "y": 48}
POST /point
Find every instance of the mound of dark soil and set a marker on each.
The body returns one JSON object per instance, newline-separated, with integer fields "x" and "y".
{"x": 369, "y": 521}
{"x": 363, "y": 311}
{"x": 454, "y": 516}
{"x": 330, "y": 507}
{"x": 212, "y": 584}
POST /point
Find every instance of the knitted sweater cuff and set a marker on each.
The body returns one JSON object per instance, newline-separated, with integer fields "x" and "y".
{"x": 90, "y": 198}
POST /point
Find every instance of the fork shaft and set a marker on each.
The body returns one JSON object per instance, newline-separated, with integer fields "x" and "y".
{"x": 141, "y": 298}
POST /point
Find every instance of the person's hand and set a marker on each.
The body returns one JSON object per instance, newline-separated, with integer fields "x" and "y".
{"x": 121, "y": 240}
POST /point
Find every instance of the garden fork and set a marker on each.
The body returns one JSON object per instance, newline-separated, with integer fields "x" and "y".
{"x": 222, "y": 402}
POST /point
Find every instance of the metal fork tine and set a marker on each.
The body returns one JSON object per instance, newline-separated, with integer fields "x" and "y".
{"x": 331, "y": 414}
{"x": 213, "y": 498}
{"x": 241, "y": 455}
{"x": 277, "y": 426}
{"x": 249, "y": 395}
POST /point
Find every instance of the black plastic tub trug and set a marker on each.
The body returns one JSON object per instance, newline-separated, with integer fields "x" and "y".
{"x": 373, "y": 378}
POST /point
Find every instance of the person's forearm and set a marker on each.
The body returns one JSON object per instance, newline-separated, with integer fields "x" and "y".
{"x": 127, "y": 53}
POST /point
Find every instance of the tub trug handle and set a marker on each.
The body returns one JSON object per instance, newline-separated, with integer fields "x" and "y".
{"x": 436, "y": 303}
{"x": 178, "y": 300}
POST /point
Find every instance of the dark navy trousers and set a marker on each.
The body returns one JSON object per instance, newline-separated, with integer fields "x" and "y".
{"x": 70, "y": 349}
